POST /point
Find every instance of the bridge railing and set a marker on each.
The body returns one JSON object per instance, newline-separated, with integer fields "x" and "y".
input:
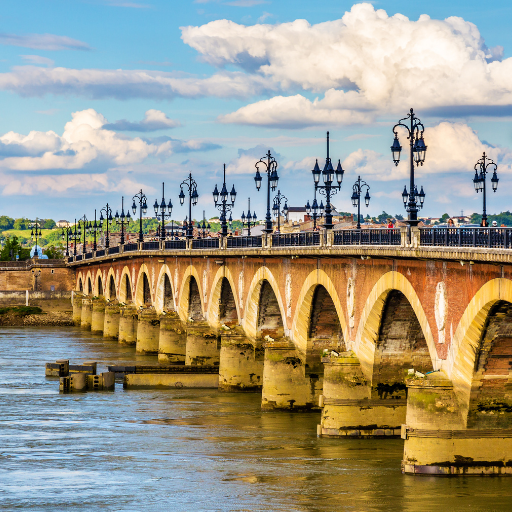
{"x": 205, "y": 243}
{"x": 151, "y": 246}
{"x": 241, "y": 242}
{"x": 130, "y": 247}
{"x": 380, "y": 236}
{"x": 100, "y": 253}
{"x": 113, "y": 250}
{"x": 498, "y": 238}
{"x": 175, "y": 244}
{"x": 296, "y": 239}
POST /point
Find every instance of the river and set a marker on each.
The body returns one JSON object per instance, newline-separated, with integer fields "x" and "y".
{"x": 189, "y": 450}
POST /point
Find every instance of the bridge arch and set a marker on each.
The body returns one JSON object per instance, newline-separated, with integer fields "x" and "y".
{"x": 110, "y": 285}
{"x": 189, "y": 277}
{"x": 80, "y": 283}
{"x": 99, "y": 285}
{"x": 143, "y": 292}
{"x": 165, "y": 296}
{"x": 125, "y": 286}
{"x": 223, "y": 291}
{"x": 466, "y": 342}
{"x": 253, "y": 302}
{"x": 88, "y": 284}
{"x": 371, "y": 318}
{"x": 301, "y": 324}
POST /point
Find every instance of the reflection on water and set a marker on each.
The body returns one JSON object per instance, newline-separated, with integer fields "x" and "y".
{"x": 189, "y": 449}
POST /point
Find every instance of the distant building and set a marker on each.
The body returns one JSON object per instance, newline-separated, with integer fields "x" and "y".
{"x": 62, "y": 223}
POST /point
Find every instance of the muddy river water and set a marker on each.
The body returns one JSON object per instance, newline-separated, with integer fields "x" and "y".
{"x": 189, "y": 450}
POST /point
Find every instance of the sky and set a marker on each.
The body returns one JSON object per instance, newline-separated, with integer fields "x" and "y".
{"x": 102, "y": 98}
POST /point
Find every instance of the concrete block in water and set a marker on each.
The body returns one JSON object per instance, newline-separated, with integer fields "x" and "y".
{"x": 58, "y": 369}
{"x": 103, "y": 382}
{"x": 74, "y": 383}
{"x": 171, "y": 381}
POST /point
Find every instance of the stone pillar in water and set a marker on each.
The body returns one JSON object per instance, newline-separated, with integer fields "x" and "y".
{"x": 77, "y": 309}
{"x": 98, "y": 316}
{"x": 349, "y": 409}
{"x": 172, "y": 344}
{"x": 241, "y": 362}
{"x": 285, "y": 383}
{"x": 128, "y": 320}
{"x": 148, "y": 331}
{"x": 86, "y": 317}
{"x": 202, "y": 345}
{"x": 111, "y": 325}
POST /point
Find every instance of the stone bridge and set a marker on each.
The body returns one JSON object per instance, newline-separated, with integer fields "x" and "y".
{"x": 403, "y": 340}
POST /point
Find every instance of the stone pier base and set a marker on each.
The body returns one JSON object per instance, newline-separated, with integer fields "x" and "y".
{"x": 86, "y": 318}
{"x": 148, "y": 332}
{"x": 98, "y": 316}
{"x": 285, "y": 383}
{"x": 77, "y": 309}
{"x": 202, "y": 345}
{"x": 111, "y": 324}
{"x": 241, "y": 363}
{"x": 172, "y": 343}
{"x": 128, "y": 320}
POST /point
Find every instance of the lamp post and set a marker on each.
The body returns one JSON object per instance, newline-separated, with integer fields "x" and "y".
{"x": 357, "y": 190}
{"x": 165, "y": 211}
{"x": 205, "y": 228}
{"x": 83, "y": 228}
{"x": 269, "y": 165}
{"x": 276, "y": 208}
{"x": 36, "y": 233}
{"x": 317, "y": 211}
{"x": 94, "y": 228}
{"x": 74, "y": 234}
{"x": 328, "y": 189}
{"x": 193, "y": 197}
{"x": 480, "y": 181}
{"x": 223, "y": 205}
{"x": 143, "y": 209}
{"x": 65, "y": 236}
{"x": 413, "y": 200}
{"x": 122, "y": 220}
{"x": 251, "y": 219}
{"x": 107, "y": 222}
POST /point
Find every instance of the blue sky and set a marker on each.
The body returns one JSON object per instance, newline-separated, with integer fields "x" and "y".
{"x": 102, "y": 97}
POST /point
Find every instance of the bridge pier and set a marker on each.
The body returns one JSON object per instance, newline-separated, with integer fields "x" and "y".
{"x": 98, "y": 316}
{"x": 202, "y": 345}
{"x": 86, "y": 318}
{"x": 285, "y": 383}
{"x": 172, "y": 344}
{"x": 128, "y": 320}
{"x": 348, "y": 409}
{"x": 77, "y": 309}
{"x": 111, "y": 323}
{"x": 241, "y": 362}
{"x": 148, "y": 332}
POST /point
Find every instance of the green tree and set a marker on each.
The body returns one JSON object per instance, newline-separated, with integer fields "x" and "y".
{"x": 383, "y": 217}
{"x": 444, "y": 217}
{"x": 399, "y": 217}
{"x": 49, "y": 224}
{"x": 22, "y": 223}
{"x": 11, "y": 249}
{"x": 54, "y": 252}
{"x": 6, "y": 222}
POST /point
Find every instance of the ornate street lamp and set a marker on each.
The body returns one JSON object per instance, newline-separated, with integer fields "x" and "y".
{"x": 83, "y": 229}
{"x": 329, "y": 188}
{"x": 205, "y": 228}
{"x": 74, "y": 234}
{"x": 479, "y": 181}
{"x": 222, "y": 204}
{"x": 357, "y": 190}
{"x": 94, "y": 228}
{"x": 65, "y": 236}
{"x": 36, "y": 233}
{"x": 193, "y": 197}
{"x": 413, "y": 200}
{"x": 315, "y": 211}
{"x": 106, "y": 222}
{"x": 165, "y": 211}
{"x": 269, "y": 165}
{"x": 122, "y": 220}
{"x": 249, "y": 219}
{"x": 276, "y": 209}
{"x": 143, "y": 209}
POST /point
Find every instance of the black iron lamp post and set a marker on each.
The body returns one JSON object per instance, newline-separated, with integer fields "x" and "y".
{"x": 122, "y": 220}
{"x": 269, "y": 165}
{"x": 143, "y": 209}
{"x": 74, "y": 234}
{"x": 276, "y": 209}
{"x": 315, "y": 211}
{"x": 249, "y": 219}
{"x": 163, "y": 211}
{"x": 83, "y": 229}
{"x": 204, "y": 228}
{"x": 222, "y": 204}
{"x": 357, "y": 190}
{"x": 94, "y": 228}
{"x": 413, "y": 200}
{"x": 329, "y": 188}
{"x": 106, "y": 222}
{"x": 480, "y": 181}
{"x": 193, "y": 197}
{"x": 36, "y": 233}
{"x": 65, "y": 236}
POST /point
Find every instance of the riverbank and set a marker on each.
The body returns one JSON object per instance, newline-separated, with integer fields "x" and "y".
{"x": 55, "y": 318}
